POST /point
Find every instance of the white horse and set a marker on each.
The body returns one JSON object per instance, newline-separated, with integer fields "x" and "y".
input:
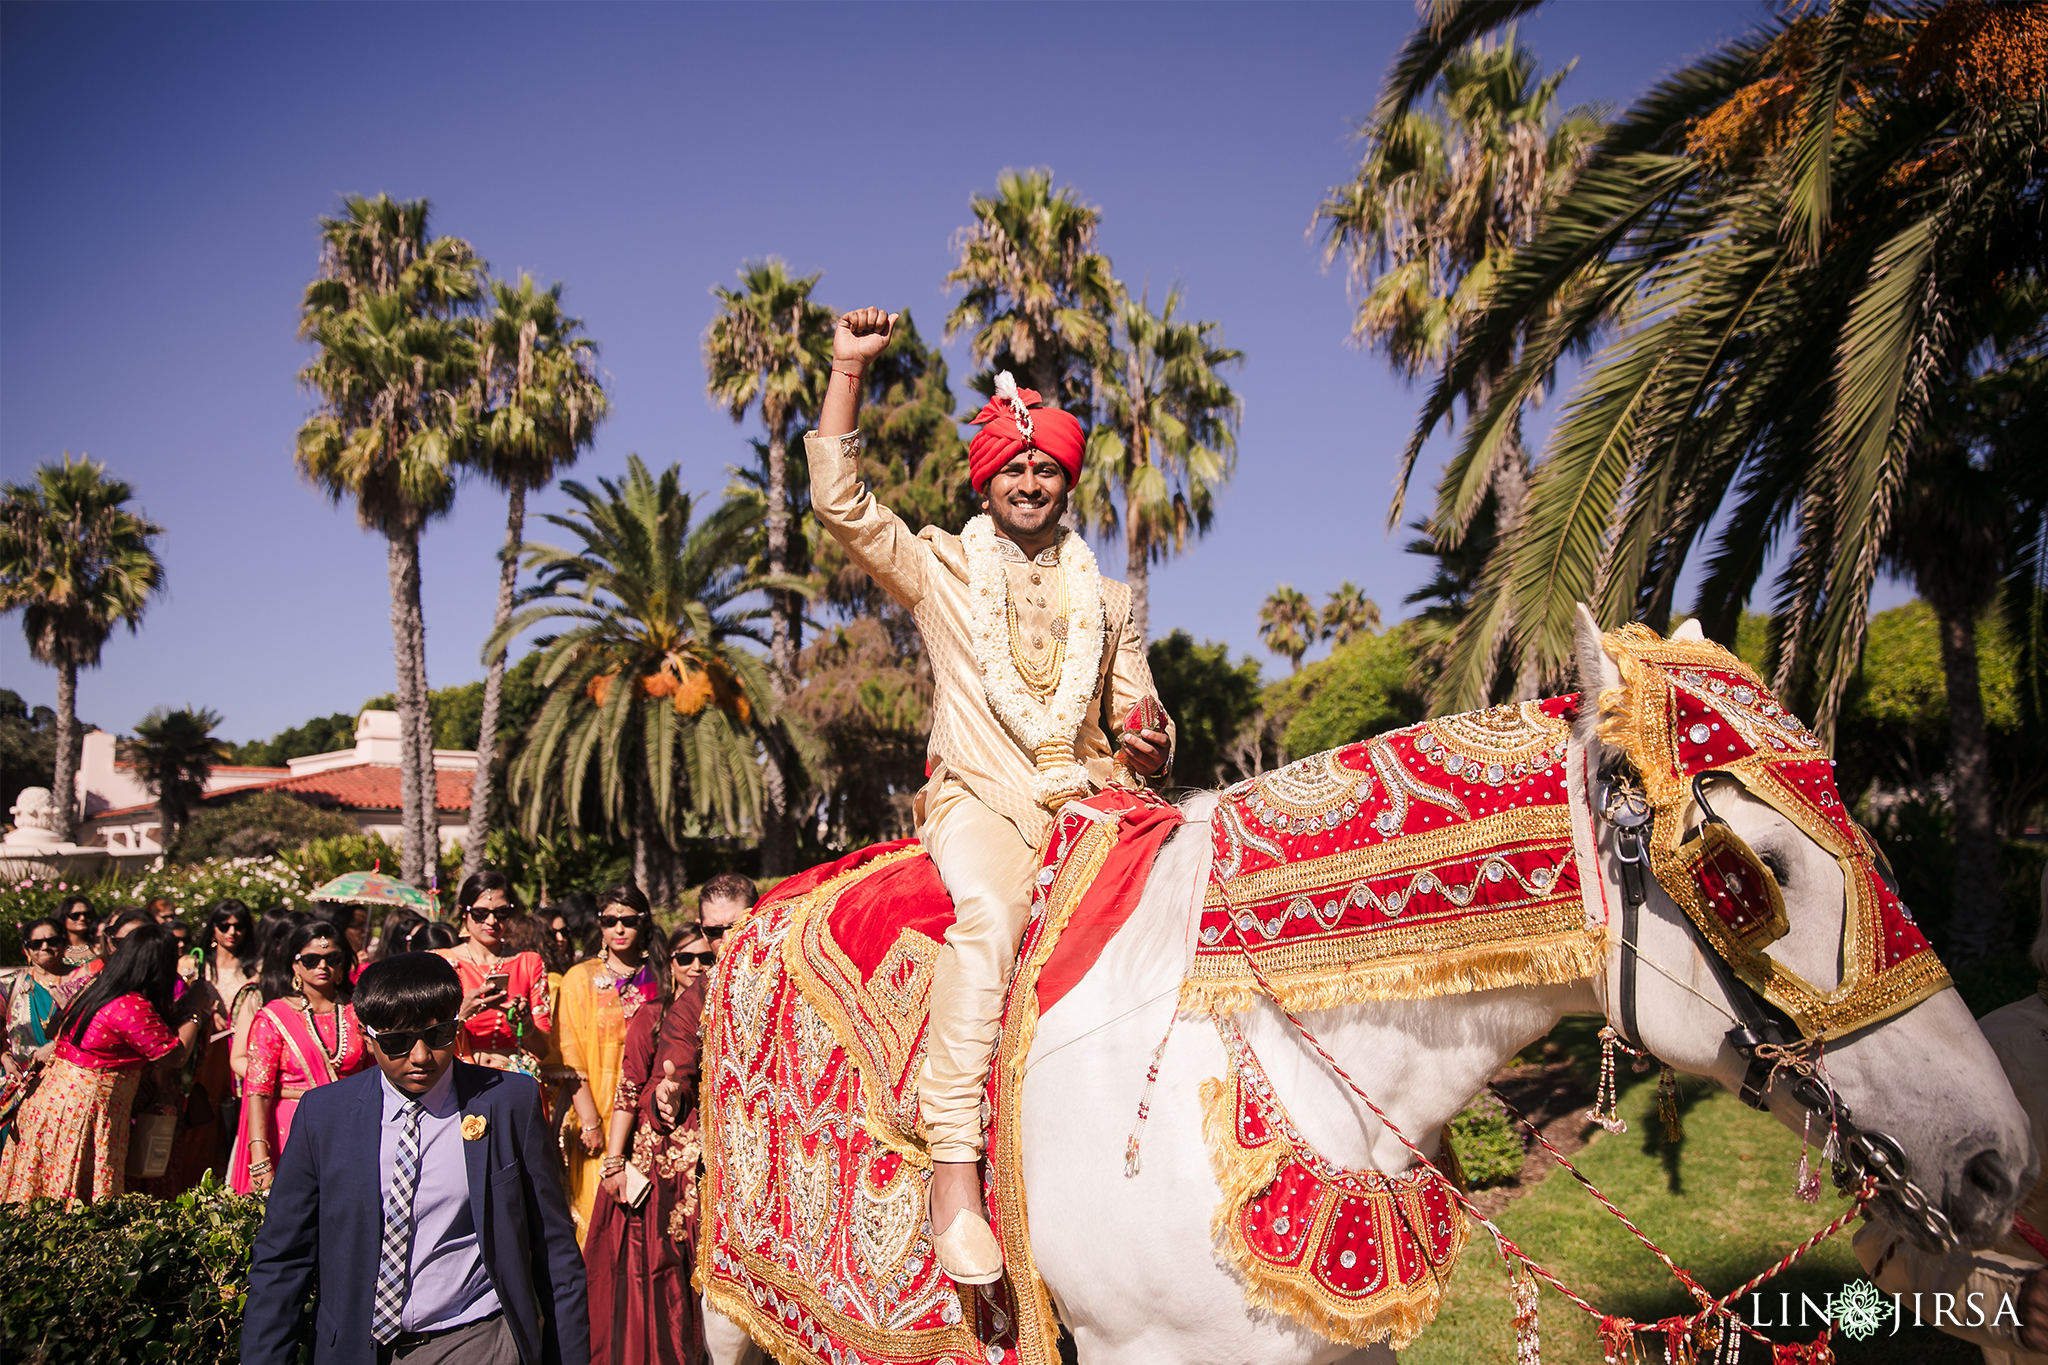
{"x": 1132, "y": 1268}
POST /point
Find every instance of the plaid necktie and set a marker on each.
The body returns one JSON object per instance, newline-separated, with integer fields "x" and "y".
{"x": 394, "y": 1256}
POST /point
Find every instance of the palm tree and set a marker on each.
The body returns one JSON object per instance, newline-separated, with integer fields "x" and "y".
{"x": 1807, "y": 252}
{"x": 1039, "y": 294}
{"x": 540, "y": 401}
{"x": 1349, "y": 614}
{"x": 1440, "y": 201}
{"x": 1165, "y": 442}
{"x": 392, "y": 367}
{"x": 1787, "y": 301}
{"x": 770, "y": 344}
{"x": 1953, "y": 535}
{"x": 173, "y": 754}
{"x": 653, "y": 712}
{"x": 1288, "y": 623}
{"x": 76, "y": 562}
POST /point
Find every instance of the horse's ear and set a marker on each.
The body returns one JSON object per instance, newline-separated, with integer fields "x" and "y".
{"x": 1690, "y": 629}
{"x": 1597, "y": 671}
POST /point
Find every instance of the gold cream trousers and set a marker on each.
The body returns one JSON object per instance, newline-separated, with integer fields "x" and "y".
{"x": 988, "y": 869}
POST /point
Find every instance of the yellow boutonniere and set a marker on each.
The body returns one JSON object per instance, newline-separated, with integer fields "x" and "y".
{"x": 473, "y": 1126}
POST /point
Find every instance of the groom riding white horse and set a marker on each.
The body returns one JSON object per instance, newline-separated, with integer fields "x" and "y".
{"x": 1767, "y": 910}
{"x": 1027, "y": 643}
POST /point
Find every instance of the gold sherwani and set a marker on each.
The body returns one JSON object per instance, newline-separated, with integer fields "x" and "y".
{"x": 976, "y": 814}
{"x": 2018, "y": 1034}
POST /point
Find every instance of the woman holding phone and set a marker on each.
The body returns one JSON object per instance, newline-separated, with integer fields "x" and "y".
{"x": 505, "y": 1011}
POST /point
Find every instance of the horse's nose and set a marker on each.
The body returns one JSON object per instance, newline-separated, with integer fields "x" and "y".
{"x": 1981, "y": 1205}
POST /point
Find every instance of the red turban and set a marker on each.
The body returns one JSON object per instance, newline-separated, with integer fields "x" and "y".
{"x": 1002, "y": 435}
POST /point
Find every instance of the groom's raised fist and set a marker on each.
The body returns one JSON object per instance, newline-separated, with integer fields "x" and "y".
{"x": 862, "y": 335}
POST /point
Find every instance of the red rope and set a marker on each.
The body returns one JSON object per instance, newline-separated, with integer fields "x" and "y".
{"x": 1610, "y": 1327}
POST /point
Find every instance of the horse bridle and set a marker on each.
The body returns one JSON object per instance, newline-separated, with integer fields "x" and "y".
{"x": 1761, "y": 1036}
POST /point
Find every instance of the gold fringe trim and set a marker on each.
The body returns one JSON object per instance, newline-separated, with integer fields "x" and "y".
{"x": 1242, "y": 1175}
{"x": 769, "y": 1332}
{"x": 1554, "y": 960}
{"x": 764, "y": 1327}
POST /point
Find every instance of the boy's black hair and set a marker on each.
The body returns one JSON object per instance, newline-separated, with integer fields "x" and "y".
{"x": 412, "y": 990}
{"x": 428, "y": 935}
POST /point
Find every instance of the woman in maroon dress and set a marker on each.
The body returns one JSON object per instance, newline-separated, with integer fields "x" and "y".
{"x": 642, "y": 1310}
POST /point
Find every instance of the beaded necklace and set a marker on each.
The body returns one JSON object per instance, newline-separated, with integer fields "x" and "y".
{"x": 334, "y": 1053}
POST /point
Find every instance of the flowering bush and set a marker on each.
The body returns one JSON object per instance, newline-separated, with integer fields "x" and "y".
{"x": 259, "y": 883}
{"x": 36, "y": 895}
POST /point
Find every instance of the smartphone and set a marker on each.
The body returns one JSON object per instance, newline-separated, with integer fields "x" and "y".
{"x": 495, "y": 984}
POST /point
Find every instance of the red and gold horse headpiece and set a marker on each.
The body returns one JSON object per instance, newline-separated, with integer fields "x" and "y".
{"x": 1687, "y": 707}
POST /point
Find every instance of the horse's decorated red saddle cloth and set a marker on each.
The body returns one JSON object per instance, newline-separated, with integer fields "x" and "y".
{"x": 1430, "y": 860}
{"x": 814, "y": 1033}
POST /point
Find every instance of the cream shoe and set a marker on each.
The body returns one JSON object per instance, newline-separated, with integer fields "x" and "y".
{"x": 968, "y": 1251}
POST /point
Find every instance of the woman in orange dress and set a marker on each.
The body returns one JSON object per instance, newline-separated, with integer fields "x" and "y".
{"x": 505, "y": 1010}
{"x": 600, "y": 998}
{"x": 71, "y": 1136}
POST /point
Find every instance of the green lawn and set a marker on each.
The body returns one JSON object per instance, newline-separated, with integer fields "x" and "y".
{"x": 1720, "y": 1203}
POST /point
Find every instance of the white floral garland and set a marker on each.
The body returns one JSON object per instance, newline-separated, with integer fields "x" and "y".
{"x": 1058, "y": 721}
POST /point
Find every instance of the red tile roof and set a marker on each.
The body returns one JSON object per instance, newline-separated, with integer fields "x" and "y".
{"x": 362, "y": 786}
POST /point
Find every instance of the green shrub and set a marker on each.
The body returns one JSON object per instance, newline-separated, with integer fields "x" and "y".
{"x": 322, "y": 860}
{"x": 1361, "y": 690}
{"x": 128, "y": 1279}
{"x": 257, "y": 826}
{"x": 1488, "y": 1146}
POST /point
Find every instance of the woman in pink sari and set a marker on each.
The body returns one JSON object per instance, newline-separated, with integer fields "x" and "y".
{"x": 303, "y": 1038}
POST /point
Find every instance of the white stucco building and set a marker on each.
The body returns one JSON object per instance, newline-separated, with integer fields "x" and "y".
{"x": 362, "y": 783}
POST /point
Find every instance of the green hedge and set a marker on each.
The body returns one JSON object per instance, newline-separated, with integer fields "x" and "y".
{"x": 128, "y": 1279}
{"x": 1488, "y": 1144}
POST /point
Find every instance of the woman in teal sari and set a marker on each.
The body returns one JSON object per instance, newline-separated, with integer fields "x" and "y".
{"x": 37, "y": 992}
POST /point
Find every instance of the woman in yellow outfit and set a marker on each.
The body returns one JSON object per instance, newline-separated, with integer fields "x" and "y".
{"x": 599, "y": 998}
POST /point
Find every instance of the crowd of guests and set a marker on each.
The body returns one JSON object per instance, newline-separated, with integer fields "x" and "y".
{"x": 142, "y": 1052}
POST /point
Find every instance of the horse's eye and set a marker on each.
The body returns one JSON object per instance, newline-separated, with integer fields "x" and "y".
{"x": 1775, "y": 864}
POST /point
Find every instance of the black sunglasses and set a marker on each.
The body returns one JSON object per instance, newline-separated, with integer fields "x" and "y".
{"x": 714, "y": 932}
{"x": 78, "y": 914}
{"x": 40, "y": 944}
{"x": 311, "y": 960}
{"x": 497, "y": 914}
{"x": 614, "y": 921}
{"x": 399, "y": 1042}
{"x": 701, "y": 959}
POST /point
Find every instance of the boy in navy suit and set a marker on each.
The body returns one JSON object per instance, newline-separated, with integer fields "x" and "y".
{"x": 423, "y": 1199}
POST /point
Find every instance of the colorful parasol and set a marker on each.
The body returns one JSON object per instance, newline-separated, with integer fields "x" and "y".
{"x": 374, "y": 888}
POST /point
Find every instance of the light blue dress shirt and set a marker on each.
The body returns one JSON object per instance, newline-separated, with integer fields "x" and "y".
{"x": 449, "y": 1284}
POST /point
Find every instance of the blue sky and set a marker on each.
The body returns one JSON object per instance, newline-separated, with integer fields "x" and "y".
{"x": 162, "y": 169}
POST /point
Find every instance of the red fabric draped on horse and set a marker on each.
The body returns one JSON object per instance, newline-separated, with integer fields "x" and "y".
{"x": 815, "y": 1176}
{"x": 1434, "y": 860}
